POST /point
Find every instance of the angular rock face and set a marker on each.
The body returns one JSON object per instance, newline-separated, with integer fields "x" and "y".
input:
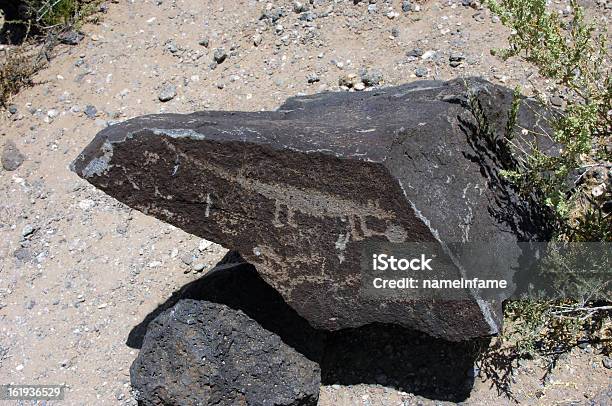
{"x": 203, "y": 353}
{"x": 300, "y": 191}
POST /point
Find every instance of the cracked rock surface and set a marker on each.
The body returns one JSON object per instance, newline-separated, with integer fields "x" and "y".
{"x": 300, "y": 191}
{"x": 206, "y": 353}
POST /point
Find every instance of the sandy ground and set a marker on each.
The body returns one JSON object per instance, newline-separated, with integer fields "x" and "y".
{"x": 92, "y": 269}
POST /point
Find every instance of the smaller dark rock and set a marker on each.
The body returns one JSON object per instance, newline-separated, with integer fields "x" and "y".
{"x": 11, "y": 157}
{"x": 456, "y": 59}
{"x": 71, "y": 37}
{"x": 607, "y": 362}
{"x": 406, "y": 6}
{"x": 313, "y": 78}
{"x": 204, "y": 42}
{"x": 22, "y": 254}
{"x": 200, "y": 352}
{"x": 12, "y": 109}
{"x": 219, "y": 55}
{"x": 90, "y": 111}
{"x": 167, "y": 92}
{"x": 420, "y": 72}
{"x": 415, "y": 53}
{"x": 307, "y": 16}
{"x": 371, "y": 77}
{"x": 272, "y": 15}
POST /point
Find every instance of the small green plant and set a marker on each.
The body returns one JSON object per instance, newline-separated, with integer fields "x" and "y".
{"x": 55, "y": 12}
{"x": 573, "y": 54}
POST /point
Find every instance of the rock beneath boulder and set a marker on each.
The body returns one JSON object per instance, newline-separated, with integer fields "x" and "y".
{"x": 206, "y": 353}
{"x": 11, "y": 158}
{"x": 300, "y": 192}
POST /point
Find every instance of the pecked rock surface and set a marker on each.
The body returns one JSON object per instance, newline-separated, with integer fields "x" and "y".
{"x": 203, "y": 353}
{"x": 301, "y": 190}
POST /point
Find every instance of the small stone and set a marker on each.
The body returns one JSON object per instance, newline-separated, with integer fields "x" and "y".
{"x": 307, "y": 16}
{"x": 204, "y": 245}
{"x": 257, "y": 39}
{"x": 122, "y": 229}
{"x": 199, "y": 267}
{"x": 392, "y": 14}
{"x": 349, "y": 80}
{"x": 52, "y": 113}
{"x": 12, "y": 109}
{"x": 607, "y": 362}
{"x": 556, "y": 101}
{"x": 372, "y": 8}
{"x": 299, "y": 7}
{"x": 204, "y": 42}
{"x": 219, "y": 55}
{"x": 220, "y": 85}
{"x": 22, "y": 254}
{"x": 372, "y": 77}
{"x": 359, "y": 86}
{"x": 395, "y": 32}
{"x": 456, "y": 59}
{"x": 406, "y": 6}
{"x": 313, "y": 78}
{"x": 11, "y": 157}
{"x": 167, "y": 92}
{"x": 420, "y": 72}
{"x": 90, "y": 111}
{"x": 279, "y": 28}
{"x": 27, "y": 230}
{"x": 415, "y": 53}
{"x": 187, "y": 258}
{"x": 71, "y": 37}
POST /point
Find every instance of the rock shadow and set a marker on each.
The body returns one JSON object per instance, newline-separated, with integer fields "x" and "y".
{"x": 388, "y": 355}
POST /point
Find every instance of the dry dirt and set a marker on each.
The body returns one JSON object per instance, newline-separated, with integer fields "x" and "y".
{"x": 92, "y": 269}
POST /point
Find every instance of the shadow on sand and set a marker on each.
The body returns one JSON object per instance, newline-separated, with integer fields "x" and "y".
{"x": 388, "y": 355}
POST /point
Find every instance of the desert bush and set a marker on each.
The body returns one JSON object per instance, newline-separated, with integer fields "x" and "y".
{"x": 17, "y": 67}
{"x": 574, "y": 181}
{"x": 31, "y": 30}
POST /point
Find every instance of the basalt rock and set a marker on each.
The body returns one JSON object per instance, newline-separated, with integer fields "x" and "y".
{"x": 300, "y": 191}
{"x": 203, "y": 353}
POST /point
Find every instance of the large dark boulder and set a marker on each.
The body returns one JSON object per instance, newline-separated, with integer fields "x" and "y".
{"x": 204, "y": 353}
{"x": 300, "y": 192}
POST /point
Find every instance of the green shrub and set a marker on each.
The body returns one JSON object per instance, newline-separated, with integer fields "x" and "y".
{"x": 574, "y": 55}
{"x": 575, "y": 181}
